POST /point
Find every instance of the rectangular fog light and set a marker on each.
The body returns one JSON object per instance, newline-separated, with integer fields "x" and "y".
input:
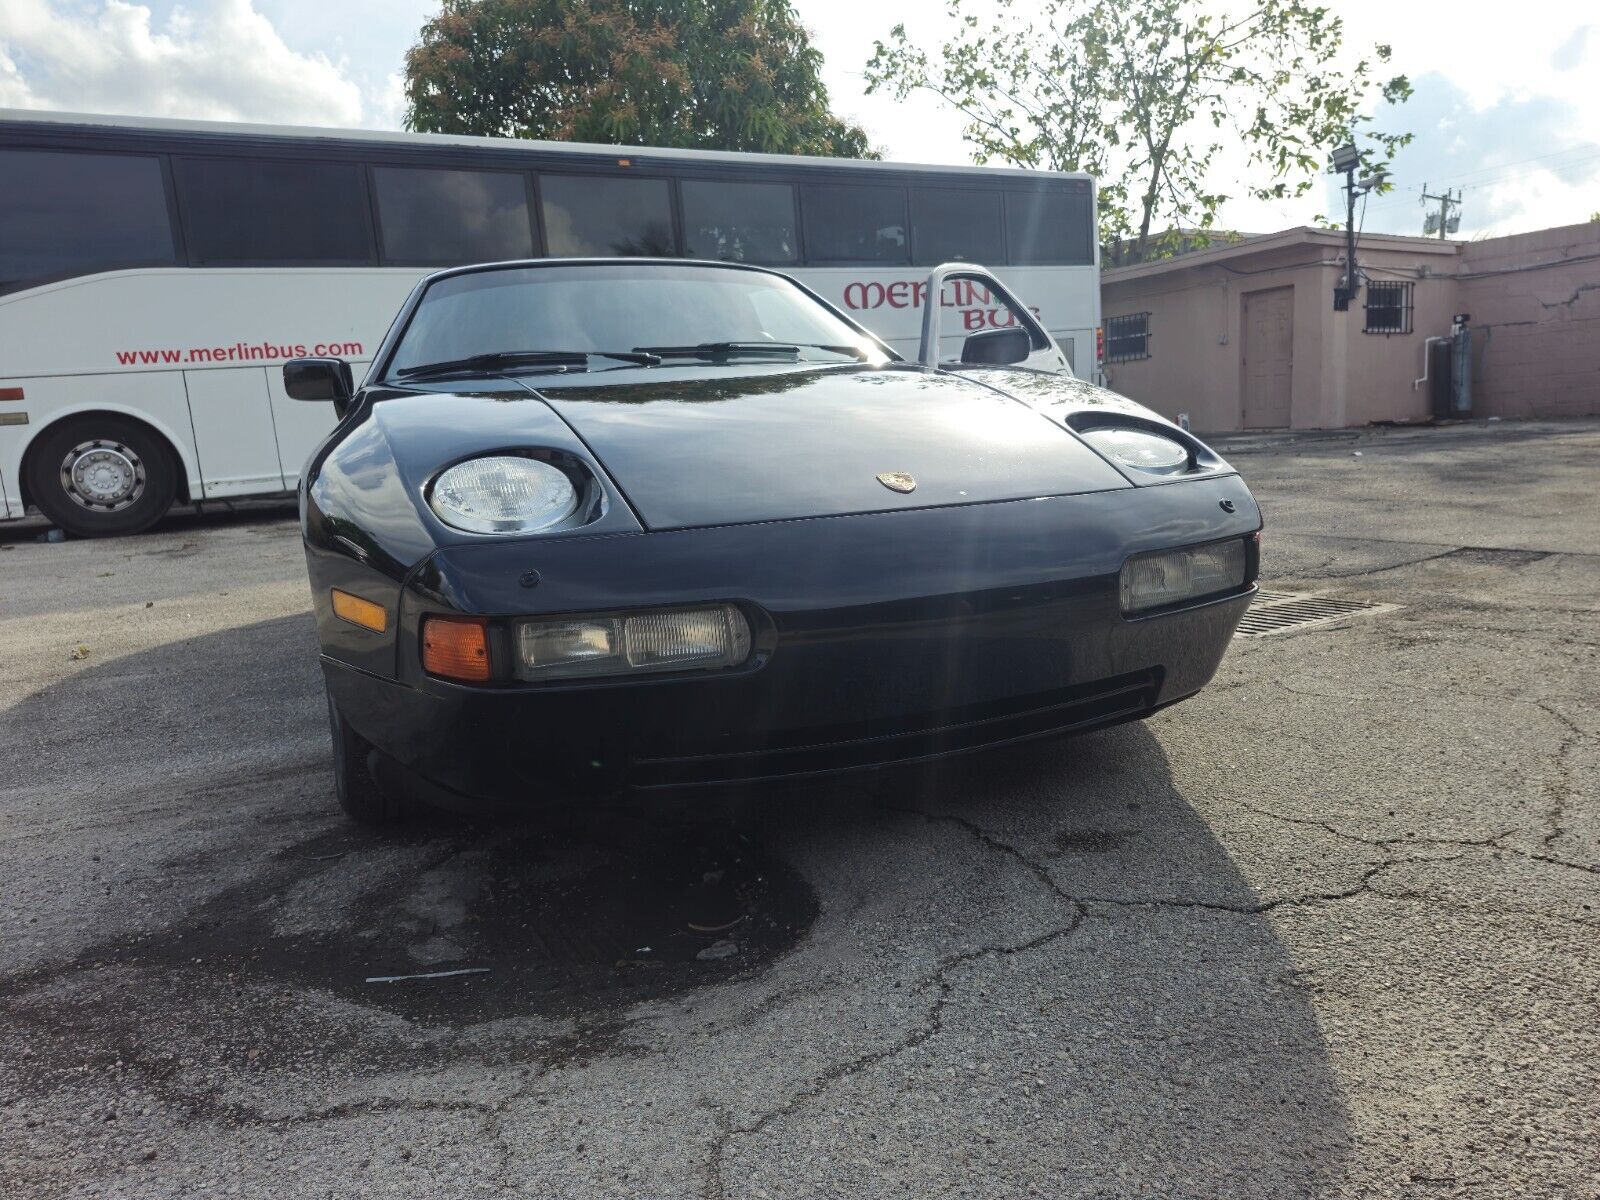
{"x": 674, "y": 639}
{"x": 1168, "y": 577}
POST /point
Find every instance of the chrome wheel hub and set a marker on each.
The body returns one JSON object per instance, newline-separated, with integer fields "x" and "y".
{"x": 102, "y": 475}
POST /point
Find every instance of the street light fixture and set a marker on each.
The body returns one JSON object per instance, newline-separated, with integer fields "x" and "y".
{"x": 1346, "y": 158}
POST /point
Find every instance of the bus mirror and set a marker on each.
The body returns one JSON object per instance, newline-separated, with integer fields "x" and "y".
{"x": 319, "y": 379}
{"x": 998, "y": 347}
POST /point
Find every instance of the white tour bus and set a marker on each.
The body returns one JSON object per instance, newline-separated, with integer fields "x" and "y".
{"x": 154, "y": 275}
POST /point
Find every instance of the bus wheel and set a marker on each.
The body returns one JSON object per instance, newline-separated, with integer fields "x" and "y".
{"x": 102, "y": 476}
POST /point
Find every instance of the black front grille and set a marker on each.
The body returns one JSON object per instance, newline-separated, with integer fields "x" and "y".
{"x": 1069, "y": 710}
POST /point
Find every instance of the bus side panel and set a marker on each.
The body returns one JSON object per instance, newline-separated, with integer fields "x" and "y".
{"x": 112, "y": 340}
{"x": 233, "y": 431}
{"x": 154, "y": 397}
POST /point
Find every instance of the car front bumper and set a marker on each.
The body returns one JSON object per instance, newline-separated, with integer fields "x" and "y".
{"x": 892, "y": 638}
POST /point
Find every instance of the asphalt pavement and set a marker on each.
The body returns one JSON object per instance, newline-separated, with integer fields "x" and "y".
{"x": 1328, "y": 930}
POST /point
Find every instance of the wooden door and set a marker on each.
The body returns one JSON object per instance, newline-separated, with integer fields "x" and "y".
{"x": 1266, "y": 366}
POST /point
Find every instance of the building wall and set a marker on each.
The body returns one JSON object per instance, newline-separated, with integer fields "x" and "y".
{"x": 1534, "y": 301}
{"x": 1382, "y": 368}
{"x": 1196, "y": 322}
{"x": 1535, "y": 305}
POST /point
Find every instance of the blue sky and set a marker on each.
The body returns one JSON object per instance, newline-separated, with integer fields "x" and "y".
{"x": 1506, "y": 106}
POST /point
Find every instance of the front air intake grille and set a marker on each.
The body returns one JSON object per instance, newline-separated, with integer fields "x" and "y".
{"x": 1277, "y": 612}
{"x": 1071, "y": 710}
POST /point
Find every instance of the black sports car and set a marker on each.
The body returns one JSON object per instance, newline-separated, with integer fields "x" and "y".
{"x": 593, "y": 525}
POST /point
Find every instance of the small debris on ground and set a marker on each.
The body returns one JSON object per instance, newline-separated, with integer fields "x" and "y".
{"x": 428, "y": 975}
{"x": 723, "y": 949}
{"x": 79, "y": 653}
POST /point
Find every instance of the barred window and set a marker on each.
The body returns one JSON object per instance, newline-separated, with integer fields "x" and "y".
{"x": 1388, "y": 306}
{"x": 1128, "y": 337}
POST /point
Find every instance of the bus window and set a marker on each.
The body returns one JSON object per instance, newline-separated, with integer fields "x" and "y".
{"x": 855, "y": 223}
{"x": 956, "y": 226}
{"x": 438, "y": 218}
{"x": 590, "y": 215}
{"x": 70, "y": 214}
{"x": 739, "y": 222}
{"x": 1051, "y": 227}
{"x": 240, "y": 212}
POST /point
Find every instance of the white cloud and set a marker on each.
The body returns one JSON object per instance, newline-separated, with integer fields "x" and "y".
{"x": 221, "y": 60}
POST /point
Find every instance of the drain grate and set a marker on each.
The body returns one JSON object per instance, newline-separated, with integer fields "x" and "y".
{"x": 1275, "y": 612}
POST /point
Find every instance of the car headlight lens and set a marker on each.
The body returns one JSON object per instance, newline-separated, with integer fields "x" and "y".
{"x": 1140, "y": 450}
{"x": 1151, "y": 581}
{"x": 503, "y": 493}
{"x": 672, "y": 639}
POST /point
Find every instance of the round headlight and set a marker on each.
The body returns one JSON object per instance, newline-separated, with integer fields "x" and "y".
{"x": 1140, "y": 450}
{"x": 503, "y": 494}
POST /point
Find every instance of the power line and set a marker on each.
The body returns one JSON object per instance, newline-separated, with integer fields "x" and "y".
{"x": 1589, "y": 149}
{"x": 1498, "y": 176}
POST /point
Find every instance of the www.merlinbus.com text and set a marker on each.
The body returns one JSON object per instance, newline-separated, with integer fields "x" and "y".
{"x": 239, "y": 352}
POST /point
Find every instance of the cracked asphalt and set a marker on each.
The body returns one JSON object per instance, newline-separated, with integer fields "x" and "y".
{"x": 1329, "y": 930}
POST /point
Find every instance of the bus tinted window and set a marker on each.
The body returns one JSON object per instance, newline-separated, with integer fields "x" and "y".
{"x": 64, "y": 214}
{"x": 586, "y": 215}
{"x": 241, "y": 211}
{"x": 956, "y": 226}
{"x": 739, "y": 222}
{"x": 443, "y": 217}
{"x": 1050, "y": 227}
{"x": 848, "y": 223}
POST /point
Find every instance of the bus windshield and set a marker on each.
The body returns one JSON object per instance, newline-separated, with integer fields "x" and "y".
{"x": 607, "y": 308}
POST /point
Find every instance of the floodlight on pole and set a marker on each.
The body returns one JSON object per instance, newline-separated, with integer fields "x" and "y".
{"x": 1346, "y": 159}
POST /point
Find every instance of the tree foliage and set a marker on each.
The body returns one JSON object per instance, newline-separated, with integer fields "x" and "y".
{"x": 1146, "y": 94}
{"x": 702, "y": 74}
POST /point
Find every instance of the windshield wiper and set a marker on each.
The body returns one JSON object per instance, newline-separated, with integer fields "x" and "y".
{"x": 500, "y": 360}
{"x": 724, "y": 349}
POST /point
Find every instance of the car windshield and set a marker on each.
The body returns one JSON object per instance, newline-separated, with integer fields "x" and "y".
{"x": 510, "y": 317}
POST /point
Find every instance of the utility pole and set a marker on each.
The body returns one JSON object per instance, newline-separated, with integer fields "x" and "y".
{"x": 1442, "y": 223}
{"x": 1347, "y": 159}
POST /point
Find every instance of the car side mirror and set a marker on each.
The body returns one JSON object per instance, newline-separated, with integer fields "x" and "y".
{"x": 997, "y": 347}
{"x": 319, "y": 379}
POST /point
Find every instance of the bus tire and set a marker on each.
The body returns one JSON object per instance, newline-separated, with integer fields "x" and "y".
{"x": 360, "y": 795}
{"x": 102, "y": 476}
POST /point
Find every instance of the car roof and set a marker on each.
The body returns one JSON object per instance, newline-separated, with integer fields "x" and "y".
{"x": 615, "y": 261}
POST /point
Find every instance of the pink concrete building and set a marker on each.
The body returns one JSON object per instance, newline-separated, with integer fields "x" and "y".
{"x": 1244, "y": 335}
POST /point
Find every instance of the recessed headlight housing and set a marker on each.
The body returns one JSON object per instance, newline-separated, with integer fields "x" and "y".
{"x": 1140, "y": 449}
{"x": 504, "y": 494}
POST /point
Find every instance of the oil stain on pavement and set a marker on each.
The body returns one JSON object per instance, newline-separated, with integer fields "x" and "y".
{"x": 483, "y": 924}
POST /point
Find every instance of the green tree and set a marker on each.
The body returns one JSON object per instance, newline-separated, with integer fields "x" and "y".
{"x": 701, "y": 74}
{"x": 1144, "y": 95}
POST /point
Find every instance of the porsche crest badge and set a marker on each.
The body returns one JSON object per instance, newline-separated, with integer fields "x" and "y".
{"x": 897, "y": 481}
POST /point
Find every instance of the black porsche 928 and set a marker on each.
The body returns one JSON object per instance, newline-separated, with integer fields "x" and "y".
{"x": 594, "y": 526}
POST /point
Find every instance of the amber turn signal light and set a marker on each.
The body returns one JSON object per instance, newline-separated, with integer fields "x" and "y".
{"x": 360, "y": 612}
{"x": 456, "y": 648}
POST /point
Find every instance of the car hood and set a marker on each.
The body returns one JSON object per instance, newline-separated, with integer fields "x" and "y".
{"x": 745, "y": 443}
